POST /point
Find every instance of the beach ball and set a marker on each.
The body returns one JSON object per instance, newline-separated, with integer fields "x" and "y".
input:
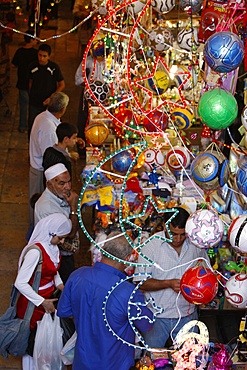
{"x": 241, "y": 177}
{"x": 244, "y": 117}
{"x": 122, "y": 161}
{"x": 217, "y": 108}
{"x": 236, "y": 290}
{"x": 223, "y": 51}
{"x": 185, "y": 78}
{"x": 187, "y": 39}
{"x": 99, "y": 89}
{"x": 96, "y": 133}
{"x": 163, "y": 6}
{"x": 178, "y": 158}
{"x": 160, "y": 39}
{"x": 204, "y": 228}
{"x": 199, "y": 285}
{"x": 159, "y": 83}
{"x": 155, "y": 121}
{"x": 182, "y": 117}
{"x": 210, "y": 170}
{"x": 191, "y": 6}
{"x": 153, "y": 158}
{"x": 237, "y": 233}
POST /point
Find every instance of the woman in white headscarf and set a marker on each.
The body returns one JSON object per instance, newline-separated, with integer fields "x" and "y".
{"x": 47, "y": 234}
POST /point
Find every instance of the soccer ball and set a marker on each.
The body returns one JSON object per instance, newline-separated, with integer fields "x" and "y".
{"x": 204, "y": 228}
{"x": 182, "y": 117}
{"x": 96, "y": 133}
{"x": 237, "y": 233}
{"x": 163, "y": 6}
{"x": 199, "y": 285}
{"x": 178, "y": 158}
{"x": 210, "y": 170}
{"x": 236, "y": 290}
{"x": 136, "y": 7}
{"x": 182, "y": 74}
{"x": 100, "y": 91}
{"x": 241, "y": 177}
{"x": 155, "y": 121}
{"x": 160, "y": 39}
{"x": 217, "y": 108}
{"x": 122, "y": 161}
{"x": 153, "y": 158}
{"x": 223, "y": 51}
{"x": 191, "y": 6}
{"x": 187, "y": 39}
{"x": 244, "y": 117}
{"x": 159, "y": 83}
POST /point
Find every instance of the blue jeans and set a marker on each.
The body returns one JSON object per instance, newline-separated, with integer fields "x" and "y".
{"x": 23, "y": 103}
{"x": 161, "y": 331}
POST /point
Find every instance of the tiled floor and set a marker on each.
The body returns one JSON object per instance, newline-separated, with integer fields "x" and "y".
{"x": 14, "y": 163}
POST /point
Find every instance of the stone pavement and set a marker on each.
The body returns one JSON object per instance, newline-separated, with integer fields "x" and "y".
{"x": 14, "y": 165}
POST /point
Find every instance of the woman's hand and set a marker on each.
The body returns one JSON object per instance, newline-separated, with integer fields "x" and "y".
{"x": 48, "y": 305}
{"x": 60, "y": 287}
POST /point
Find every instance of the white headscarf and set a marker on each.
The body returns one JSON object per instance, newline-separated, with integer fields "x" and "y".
{"x": 49, "y": 226}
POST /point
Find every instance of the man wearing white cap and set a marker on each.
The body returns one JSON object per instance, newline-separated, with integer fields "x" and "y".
{"x": 58, "y": 197}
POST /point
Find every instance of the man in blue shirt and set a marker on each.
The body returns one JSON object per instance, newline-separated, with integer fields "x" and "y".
{"x": 104, "y": 310}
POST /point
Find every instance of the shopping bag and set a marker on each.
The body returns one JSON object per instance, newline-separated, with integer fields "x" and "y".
{"x": 68, "y": 351}
{"x": 48, "y": 344}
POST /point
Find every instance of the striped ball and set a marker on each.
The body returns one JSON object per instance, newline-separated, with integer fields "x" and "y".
{"x": 237, "y": 233}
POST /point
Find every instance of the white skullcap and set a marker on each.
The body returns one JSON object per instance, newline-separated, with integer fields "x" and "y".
{"x": 54, "y": 171}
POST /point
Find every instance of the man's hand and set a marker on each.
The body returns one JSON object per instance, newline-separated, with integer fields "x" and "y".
{"x": 72, "y": 199}
{"x": 175, "y": 285}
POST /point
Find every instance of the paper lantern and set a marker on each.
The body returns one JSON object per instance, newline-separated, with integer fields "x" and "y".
{"x": 99, "y": 89}
{"x": 210, "y": 170}
{"x": 182, "y": 117}
{"x": 199, "y": 285}
{"x": 178, "y": 158}
{"x": 153, "y": 158}
{"x": 96, "y": 133}
{"x": 155, "y": 121}
{"x": 236, "y": 290}
{"x": 223, "y": 51}
{"x": 160, "y": 39}
{"x": 237, "y": 233}
{"x": 217, "y": 108}
{"x": 204, "y": 228}
{"x": 122, "y": 161}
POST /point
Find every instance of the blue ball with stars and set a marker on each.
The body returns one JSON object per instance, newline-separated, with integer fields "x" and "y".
{"x": 122, "y": 161}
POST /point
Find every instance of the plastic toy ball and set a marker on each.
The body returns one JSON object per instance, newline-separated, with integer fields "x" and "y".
{"x": 199, "y": 285}
{"x": 244, "y": 117}
{"x": 241, "y": 177}
{"x": 182, "y": 117}
{"x": 160, "y": 39}
{"x": 122, "y": 161}
{"x": 187, "y": 39}
{"x": 155, "y": 121}
{"x": 99, "y": 89}
{"x": 178, "y": 158}
{"x": 217, "y": 108}
{"x": 204, "y": 228}
{"x": 210, "y": 170}
{"x": 96, "y": 133}
{"x": 163, "y": 6}
{"x": 237, "y": 233}
{"x": 236, "y": 290}
{"x": 223, "y": 51}
{"x": 159, "y": 83}
{"x": 191, "y": 6}
{"x": 153, "y": 158}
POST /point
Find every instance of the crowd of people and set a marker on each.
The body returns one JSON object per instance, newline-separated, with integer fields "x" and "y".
{"x": 104, "y": 322}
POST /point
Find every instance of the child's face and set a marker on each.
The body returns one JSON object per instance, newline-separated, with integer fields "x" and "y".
{"x": 72, "y": 141}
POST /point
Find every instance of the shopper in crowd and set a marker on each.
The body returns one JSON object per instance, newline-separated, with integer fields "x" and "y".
{"x": 102, "y": 317}
{"x": 43, "y": 135}
{"x": 22, "y": 58}
{"x": 59, "y": 153}
{"x": 173, "y": 257}
{"x": 48, "y": 232}
{"x": 45, "y": 78}
{"x": 59, "y": 197}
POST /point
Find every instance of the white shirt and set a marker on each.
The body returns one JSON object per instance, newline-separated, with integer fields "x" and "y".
{"x": 168, "y": 259}
{"x": 43, "y": 135}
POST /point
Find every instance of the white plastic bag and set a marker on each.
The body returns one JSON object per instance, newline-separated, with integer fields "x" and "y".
{"x": 48, "y": 344}
{"x": 68, "y": 351}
